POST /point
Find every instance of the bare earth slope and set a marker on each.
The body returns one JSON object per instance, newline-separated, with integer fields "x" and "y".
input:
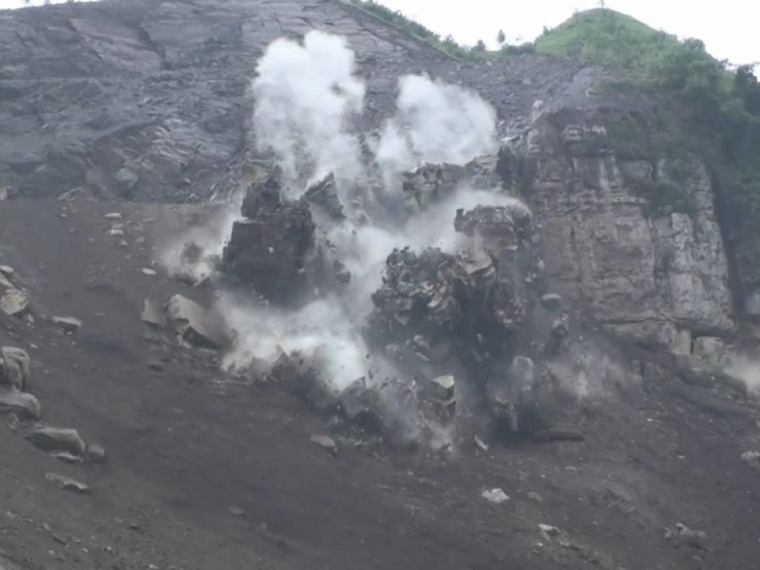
{"x": 203, "y": 473}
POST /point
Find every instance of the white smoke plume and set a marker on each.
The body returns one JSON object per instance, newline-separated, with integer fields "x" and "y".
{"x": 305, "y": 96}
{"x": 435, "y": 122}
{"x": 746, "y": 369}
{"x": 305, "y": 93}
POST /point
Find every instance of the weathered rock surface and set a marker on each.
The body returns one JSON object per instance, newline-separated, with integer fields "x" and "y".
{"x": 274, "y": 250}
{"x": 195, "y": 323}
{"x": 630, "y": 232}
{"x": 56, "y": 439}
{"x": 15, "y": 367}
{"x": 23, "y": 404}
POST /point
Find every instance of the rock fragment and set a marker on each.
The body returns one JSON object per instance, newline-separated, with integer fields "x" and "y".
{"x": 5, "y": 284}
{"x": 549, "y": 530}
{"x": 552, "y": 302}
{"x": 326, "y": 442}
{"x": 113, "y": 216}
{"x": 15, "y": 367}
{"x": 52, "y": 439}
{"x": 13, "y": 302}
{"x": 149, "y": 272}
{"x": 752, "y": 459}
{"x": 68, "y": 324}
{"x": 194, "y": 323}
{"x": 709, "y": 349}
{"x": 67, "y": 483}
{"x": 682, "y": 535}
{"x": 152, "y": 315}
{"x": 95, "y": 453}
{"x": 22, "y": 404}
{"x": 495, "y": 496}
{"x": 324, "y": 195}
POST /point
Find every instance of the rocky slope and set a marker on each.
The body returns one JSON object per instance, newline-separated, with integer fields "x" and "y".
{"x": 649, "y": 457}
{"x": 147, "y": 99}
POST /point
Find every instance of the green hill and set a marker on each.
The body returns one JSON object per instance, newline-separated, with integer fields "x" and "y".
{"x": 605, "y": 37}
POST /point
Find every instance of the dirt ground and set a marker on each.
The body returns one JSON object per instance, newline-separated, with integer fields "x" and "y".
{"x": 204, "y": 472}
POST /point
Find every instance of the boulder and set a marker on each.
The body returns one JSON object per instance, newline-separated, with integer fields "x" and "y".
{"x": 67, "y": 483}
{"x": 274, "y": 252}
{"x": 152, "y": 315}
{"x": 682, "y": 345}
{"x": 552, "y": 302}
{"x": 53, "y": 439}
{"x": 15, "y": 367}
{"x": 13, "y": 302}
{"x": 709, "y": 349}
{"x": 323, "y": 195}
{"x": 195, "y": 324}
{"x": 23, "y": 404}
{"x": 67, "y": 324}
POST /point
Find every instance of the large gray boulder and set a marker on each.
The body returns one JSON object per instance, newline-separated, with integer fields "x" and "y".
{"x": 15, "y": 369}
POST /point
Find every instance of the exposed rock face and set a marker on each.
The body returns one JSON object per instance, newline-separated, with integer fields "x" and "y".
{"x": 151, "y": 94}
{"x": 632, "y": 239}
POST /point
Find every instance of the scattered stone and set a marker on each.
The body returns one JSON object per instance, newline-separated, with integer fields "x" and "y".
{"x": 326, "y": 442}
{"x": 684, "y": 536}
{"x": 21, "y": 404}
{"x": 152, "y": 315}
{"x": 3, "y": 194}
{"x": 549, "y": 530}
{"x": 113, "y": 216}
{"x": 324, "y": 195}
{"x": 709, "y": 348}
{"x": 752, "y": 458}
{"x": 495, "y": 496}
{"x": 552, "y": 302}
{"x": 66, "y": 457}
{"x": 7, "y": 270}
{"x": 481, "y": 444}
{"x": 237, "y": 512}
{"x": 194, "y": 323}
{"x": 56, "y": 439}
{"x": 14, "y": 423}
{"x": 156, "y": 365}
{"x": 149, "y": 272}
{"x": 116, "y": 232}
{"x": 68, "y": 324}
{"x": 533, "y": 496}
{"x": 95, "y": 453}
{"x": 13, "y": 302}
{"x": 15, "y": 370}
{"x": 682, "y": 345}
{"x": 68, "y": 484}
{"x": 443, "y": 395}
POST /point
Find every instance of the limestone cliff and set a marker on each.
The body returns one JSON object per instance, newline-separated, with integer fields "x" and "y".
{"x": 633, "y": 239}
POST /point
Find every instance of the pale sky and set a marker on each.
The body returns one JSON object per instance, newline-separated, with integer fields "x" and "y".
{"x": 728, "y": 27}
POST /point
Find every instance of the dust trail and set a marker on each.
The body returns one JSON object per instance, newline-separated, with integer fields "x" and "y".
{"x": 435, "y": 122}
{"x": 305, "y": 94}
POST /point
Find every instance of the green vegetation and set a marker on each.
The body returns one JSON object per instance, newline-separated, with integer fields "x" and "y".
{"x": 447, "y": 44}
{"x": 721, "y": 104}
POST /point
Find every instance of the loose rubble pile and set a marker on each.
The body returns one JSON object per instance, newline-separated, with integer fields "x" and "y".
{"x": 439, "y": 320}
